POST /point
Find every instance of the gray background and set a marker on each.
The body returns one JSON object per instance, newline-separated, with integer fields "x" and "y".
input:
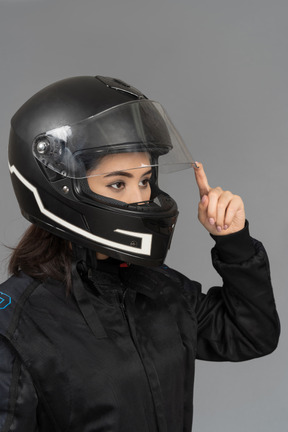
{"x": 220, "y": 68}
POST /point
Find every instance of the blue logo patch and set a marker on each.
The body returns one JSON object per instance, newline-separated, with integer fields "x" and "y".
{"x": 5, "y": 300}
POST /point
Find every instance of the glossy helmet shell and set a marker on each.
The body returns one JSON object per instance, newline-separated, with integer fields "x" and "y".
{"x": 63, "y": 205}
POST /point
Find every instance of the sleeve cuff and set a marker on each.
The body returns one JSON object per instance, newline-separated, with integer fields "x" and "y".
{"x": 236, "y": 247}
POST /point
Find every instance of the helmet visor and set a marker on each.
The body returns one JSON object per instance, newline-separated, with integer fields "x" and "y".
{"x": 139, "y": 126}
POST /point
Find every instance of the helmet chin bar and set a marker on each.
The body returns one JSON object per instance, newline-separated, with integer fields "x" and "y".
{"x": 139, "y": 234}
{"x": 146, "y": 226}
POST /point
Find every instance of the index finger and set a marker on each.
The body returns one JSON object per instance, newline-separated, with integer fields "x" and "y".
{"x": 201, "y": 179}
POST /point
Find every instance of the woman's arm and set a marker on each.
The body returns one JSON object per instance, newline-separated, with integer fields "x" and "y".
{"x": 238, "y": 321}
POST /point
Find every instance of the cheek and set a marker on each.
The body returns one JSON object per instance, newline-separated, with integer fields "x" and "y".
{"x": 95, "y": 185}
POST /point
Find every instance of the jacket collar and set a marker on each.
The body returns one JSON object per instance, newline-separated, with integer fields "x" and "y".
{"x": 111, "y": 272}
{"x": 142, "y": 280}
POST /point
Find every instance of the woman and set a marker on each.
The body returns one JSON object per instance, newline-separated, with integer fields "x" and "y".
{"x": 97, "y": 333}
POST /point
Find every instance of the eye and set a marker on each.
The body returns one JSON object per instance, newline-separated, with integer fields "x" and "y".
{"x": 144, "y": 183}
{"x": 117, "y": 185}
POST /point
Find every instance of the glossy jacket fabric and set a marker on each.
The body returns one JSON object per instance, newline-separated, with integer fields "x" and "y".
{"x": 118, "y": 354}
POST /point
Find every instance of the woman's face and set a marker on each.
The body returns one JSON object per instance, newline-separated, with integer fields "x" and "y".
{"x": 120, "y": 181}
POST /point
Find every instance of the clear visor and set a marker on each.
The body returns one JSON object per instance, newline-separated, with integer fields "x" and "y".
{"x": 141, "y": 126}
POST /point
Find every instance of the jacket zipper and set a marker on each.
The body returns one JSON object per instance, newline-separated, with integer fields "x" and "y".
{"x": 122, "y": 306}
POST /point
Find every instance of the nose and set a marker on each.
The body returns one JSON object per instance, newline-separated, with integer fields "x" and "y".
{"x": 135, "y": 195}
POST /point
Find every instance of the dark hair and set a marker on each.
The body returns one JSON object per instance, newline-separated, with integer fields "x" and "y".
{"x": 42, "y": 255}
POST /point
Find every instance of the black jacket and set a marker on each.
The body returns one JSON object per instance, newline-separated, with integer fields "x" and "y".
{"x": 118, "y": 355}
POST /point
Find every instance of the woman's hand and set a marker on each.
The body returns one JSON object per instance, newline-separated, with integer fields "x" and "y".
{"x": 220, "y": 212}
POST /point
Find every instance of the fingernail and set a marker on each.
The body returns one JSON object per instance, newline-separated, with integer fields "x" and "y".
{"x": 203, "y": 199}
{"x": 196, "y": 164}
{"x": 219, "y": 229}
{"x": 226, "y": 227}
{"x": 211, "y": 221}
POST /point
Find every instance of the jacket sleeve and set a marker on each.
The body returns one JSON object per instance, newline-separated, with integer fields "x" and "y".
{"x": 18, "y": 399}
{"x": 238, "y": 321}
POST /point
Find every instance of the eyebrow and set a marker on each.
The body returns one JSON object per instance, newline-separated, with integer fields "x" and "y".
{"x": 125, "y": 174}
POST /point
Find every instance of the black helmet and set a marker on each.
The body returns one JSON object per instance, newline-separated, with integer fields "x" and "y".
{"x": 63, "y": 131}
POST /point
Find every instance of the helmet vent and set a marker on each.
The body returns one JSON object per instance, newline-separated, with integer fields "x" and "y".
{"x": 119, "y": 85}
